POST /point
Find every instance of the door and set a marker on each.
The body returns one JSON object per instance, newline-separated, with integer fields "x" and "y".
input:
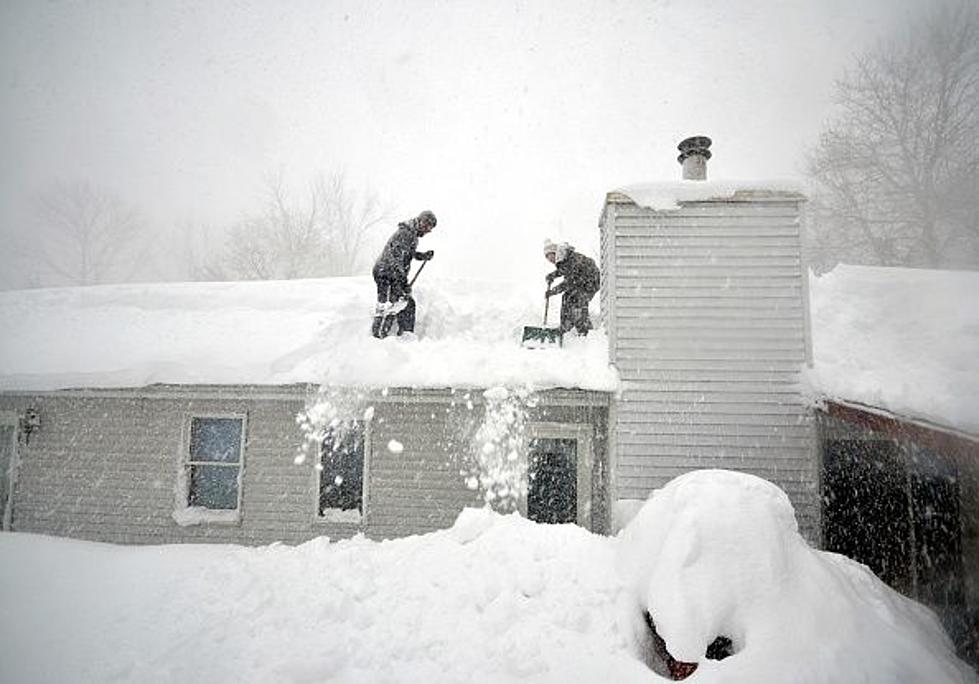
{"x": 552, "y": 480}
{"x": 559, "y": 473}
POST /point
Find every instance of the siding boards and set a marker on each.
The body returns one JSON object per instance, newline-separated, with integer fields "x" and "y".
{"x": 104, "y": 468}
{"x": 707, "y": 307}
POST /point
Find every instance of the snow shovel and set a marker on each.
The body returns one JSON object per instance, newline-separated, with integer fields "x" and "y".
{"x": 542, "y": 337}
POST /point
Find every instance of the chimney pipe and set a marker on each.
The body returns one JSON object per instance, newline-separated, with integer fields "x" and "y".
{"x": 694, "y": 154}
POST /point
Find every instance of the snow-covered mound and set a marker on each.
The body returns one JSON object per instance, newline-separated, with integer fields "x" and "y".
{"x": 901, "y": 339}
{"x": 493, "y": 599}
{"x": 271, "y": 333}
{"x": 718, "y": 553}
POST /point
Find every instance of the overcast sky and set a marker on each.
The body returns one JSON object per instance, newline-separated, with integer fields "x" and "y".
{"x": 510, "y": 120}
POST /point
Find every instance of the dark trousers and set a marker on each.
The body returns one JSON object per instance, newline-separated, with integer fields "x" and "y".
{"x": 393, "y": 289}
{"x": 574, "y": 311}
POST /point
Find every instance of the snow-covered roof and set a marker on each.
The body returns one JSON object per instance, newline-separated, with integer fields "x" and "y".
{"x": 668, "y": 195}
{"x": 285, "y": 332}
{"x": 903, "y": 340}
{"x": 900, "y": 339}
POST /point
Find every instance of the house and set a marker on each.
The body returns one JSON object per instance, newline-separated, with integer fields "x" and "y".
{"x": 180, "y": 413}
{"x": 897, "y": 379}
{"x": 260, "y": 412}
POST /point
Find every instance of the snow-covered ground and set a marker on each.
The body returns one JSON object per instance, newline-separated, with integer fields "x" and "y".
{"x": 493, "y": 599}
{"x": 901, "y": 339}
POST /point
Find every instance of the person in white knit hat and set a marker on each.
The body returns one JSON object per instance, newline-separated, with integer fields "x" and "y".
{"x": 581, "y": 279}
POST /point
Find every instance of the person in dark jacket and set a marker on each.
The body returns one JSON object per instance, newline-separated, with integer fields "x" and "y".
{"x": 581, "y": 280}
{"x": 394, "y": 300}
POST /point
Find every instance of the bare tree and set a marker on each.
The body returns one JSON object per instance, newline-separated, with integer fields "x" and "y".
{"x": 897, "y": 173}
{"x": 83, "y": 235}
{"x": 321, "y": 236}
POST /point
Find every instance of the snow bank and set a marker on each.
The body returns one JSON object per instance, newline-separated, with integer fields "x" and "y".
{"x": 667, "y": 195}
{"x": 901, "y": 339}
{"x": 493, "y": 599}
{"x": 717, "y": 553}
{"x": 272, "y": 333}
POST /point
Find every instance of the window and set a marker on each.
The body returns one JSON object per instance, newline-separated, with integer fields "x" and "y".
{"x": 8, "y": 465}
{"x": 341, "y": 473}
{"x": 211, "y": 472}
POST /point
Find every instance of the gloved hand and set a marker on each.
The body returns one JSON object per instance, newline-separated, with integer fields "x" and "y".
{"x": 427, "y": 255}
{"x": 550, "y": 293}
{"x": 550, "y": 278}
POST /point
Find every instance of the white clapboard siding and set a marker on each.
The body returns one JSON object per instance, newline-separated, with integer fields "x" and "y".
{"x": 705, "y": 309}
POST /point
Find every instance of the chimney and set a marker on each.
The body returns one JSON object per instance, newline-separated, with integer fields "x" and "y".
{"x": 694, "y": 154}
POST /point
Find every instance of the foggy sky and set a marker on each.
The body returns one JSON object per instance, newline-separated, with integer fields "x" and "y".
{"x": 510, "y": 120}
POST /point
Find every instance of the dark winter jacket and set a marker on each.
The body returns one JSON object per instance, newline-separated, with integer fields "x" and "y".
{"x": 395, "y": 259}
{"x": 581, "y": 275}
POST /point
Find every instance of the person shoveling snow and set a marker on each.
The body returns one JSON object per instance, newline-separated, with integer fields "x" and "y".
{"x": 581, "y": 279}
{"x": 394, "y": 300}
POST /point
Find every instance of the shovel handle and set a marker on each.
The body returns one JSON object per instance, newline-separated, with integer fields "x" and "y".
{"x": 547, "y": 303}
{"x": 418, "y": 273}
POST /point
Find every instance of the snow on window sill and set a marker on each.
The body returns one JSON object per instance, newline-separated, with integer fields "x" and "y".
{"x": 197, "y": 515}
{"x": 337, "y": 515}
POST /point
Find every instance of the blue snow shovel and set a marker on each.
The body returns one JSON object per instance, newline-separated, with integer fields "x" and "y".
{"x": 542, "y": 337}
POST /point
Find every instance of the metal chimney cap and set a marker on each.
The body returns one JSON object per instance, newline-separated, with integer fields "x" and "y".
{"x": 697, "y": 144}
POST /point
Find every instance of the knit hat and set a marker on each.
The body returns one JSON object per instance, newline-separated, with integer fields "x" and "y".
{"x": 549, "y": 247}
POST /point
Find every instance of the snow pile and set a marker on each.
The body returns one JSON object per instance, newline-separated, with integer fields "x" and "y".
{"x": 717, "y": 553}
{"x": 905, "y": 340}
{"x": 493, "y": 599}
{"x": 284, "y": 332}
{"x": 667, "y": 195}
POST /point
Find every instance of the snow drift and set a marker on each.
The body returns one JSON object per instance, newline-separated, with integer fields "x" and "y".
{"x": 495, "y": 598}
{"x": 718, "y": 553}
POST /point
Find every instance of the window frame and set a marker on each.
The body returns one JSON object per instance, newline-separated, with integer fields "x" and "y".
{"x": 185, "y": 514}
{"x": 10, "y": 419}
{"x": 582, "y": 434}
{"x": 334, "y": 516}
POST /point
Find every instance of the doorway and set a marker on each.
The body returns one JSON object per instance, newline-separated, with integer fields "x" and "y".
{"x": 559, "y": 478}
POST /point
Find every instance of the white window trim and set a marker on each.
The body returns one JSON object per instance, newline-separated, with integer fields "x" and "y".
{"x": 582, "y": 434}
{"x": 185, "y": 515}
{"x": 334, "y": 515}
{"x": 10, "y": 419}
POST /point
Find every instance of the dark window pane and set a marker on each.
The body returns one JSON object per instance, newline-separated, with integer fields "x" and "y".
{"x": 552, "y": 490}
{"x": 215, "y": 439}
{"x": 342, "y": 476}
{"x": 6, "y": 455}
{"x": 865, "y": 507}
{"x": 213, "y": 487}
